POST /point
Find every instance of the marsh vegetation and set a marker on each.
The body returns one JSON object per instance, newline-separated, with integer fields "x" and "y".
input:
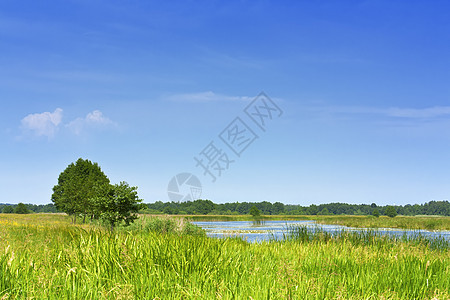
{"x": 44, "y": 256}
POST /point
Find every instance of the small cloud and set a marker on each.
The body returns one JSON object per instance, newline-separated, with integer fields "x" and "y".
{"x": 208, "y": 96}
{"x": 43, "y": 124}
{"x": 429, "y": 112}
{"x": 433, "y": 112}
{"x": 94, "y": 119}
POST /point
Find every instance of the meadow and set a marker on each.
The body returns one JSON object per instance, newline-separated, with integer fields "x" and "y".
{"x": 46, "y": 257}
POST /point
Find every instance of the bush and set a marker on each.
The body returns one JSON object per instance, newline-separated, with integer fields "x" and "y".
{"x": 194, "y": 230}
{"x": 161, "y": 225}
{"x": 376, "y": 213}
{"x": 254, "y": 211}
{"x": 173, "y": 226}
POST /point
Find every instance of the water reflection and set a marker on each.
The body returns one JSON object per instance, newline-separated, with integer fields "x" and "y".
{"x": 258, "y": 223}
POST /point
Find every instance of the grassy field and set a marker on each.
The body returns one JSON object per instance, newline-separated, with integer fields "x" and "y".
{"x": 406, "y": 222}
{"x": 45, "y": 257}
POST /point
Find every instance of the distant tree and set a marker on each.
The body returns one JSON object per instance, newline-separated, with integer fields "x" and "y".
{"x": 312, "y": 209}
{"x": 390, "y": 211}
{"x": 254, "y": 211}
{"x": 21, "y": 209}
{"x": 118, "y": 203}
{"x": 376, "y": 213}
{"x": 76, "y": 187}
{"x": 8, "y": 209}
{"x": 324, "y": 211}
{"x": 203, "y": 206}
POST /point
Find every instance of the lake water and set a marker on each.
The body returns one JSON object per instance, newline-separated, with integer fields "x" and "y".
{"x": 257, "y": 231}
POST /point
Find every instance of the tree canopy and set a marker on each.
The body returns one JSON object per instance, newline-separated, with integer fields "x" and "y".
{"x": 77, "y": 186}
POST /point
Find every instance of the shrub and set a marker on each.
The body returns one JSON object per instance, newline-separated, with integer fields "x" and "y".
{"x": 254, "y": 211}
{"x": 161, "y": 225}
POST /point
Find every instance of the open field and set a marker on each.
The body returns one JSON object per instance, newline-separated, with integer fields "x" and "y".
{"x": 44, "y": 256}
{"x": 406, "y": 222}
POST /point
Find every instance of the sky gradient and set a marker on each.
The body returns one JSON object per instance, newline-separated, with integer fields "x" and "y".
{"x": 142, "y": 87}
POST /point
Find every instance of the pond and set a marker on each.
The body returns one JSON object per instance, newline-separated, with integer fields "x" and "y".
{"x": 257, "y": 231}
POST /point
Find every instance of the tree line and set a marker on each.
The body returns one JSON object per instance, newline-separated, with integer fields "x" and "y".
{"x": 441, "y": 208}
{"x": 22, "y": 208}
{"x": 200, "y": 206}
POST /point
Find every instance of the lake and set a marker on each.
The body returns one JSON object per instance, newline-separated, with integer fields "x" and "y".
{"x": 257, "y": 231}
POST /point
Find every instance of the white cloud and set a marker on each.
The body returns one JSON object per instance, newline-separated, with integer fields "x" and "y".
{"x": 429, "y": 112}
{"x": 43, "y": 124}
{"x": 393, "y": 112}
{"x": 94, "y": 119}
{"x": 48, "y": 124}
{"x": 208, "y": 96}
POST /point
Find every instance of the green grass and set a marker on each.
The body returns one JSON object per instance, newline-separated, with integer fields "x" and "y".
{"x": 45, "y": 257}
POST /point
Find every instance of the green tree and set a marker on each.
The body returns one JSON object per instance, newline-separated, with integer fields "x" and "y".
{"x": 76, "y": 187}
{"x": 21, "y": 209}
{"x": 390, "y": 211}
{"x": 118, "y": 203}
{"x": 254, "y": 211}
{"x": 324, "y": 212}
{"x": 376, "y": 213}
{"x": 8, "y": 209}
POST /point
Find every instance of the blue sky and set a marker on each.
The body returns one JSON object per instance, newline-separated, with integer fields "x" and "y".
{"x": 142, "y": 87}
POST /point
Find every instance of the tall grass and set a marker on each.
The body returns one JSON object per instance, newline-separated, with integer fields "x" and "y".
{"x": 62, "y": 261}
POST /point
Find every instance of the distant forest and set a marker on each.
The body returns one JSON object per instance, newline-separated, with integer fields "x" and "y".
{"x": 266, "y": 208}
{"x": 441, "y": 208}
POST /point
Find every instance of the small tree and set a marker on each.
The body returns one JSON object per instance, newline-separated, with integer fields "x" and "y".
{"x": 118, "y": 203}
{"x": 390, "y": 211}
{"x": 376, "y": 213}
{"x": 21, "y": 209}
{"x": 254, "y": 211}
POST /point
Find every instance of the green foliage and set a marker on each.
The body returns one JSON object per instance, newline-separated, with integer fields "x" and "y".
{"x": 76, "y": 188}
{"x": 390, "y": 211}
{"x": 376, "y": 213}
{"x": 254, "y": 211}
{"x": 117, "y": 203}
{"x": 8, "y": 209}
{"x": 21, "y": 209}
